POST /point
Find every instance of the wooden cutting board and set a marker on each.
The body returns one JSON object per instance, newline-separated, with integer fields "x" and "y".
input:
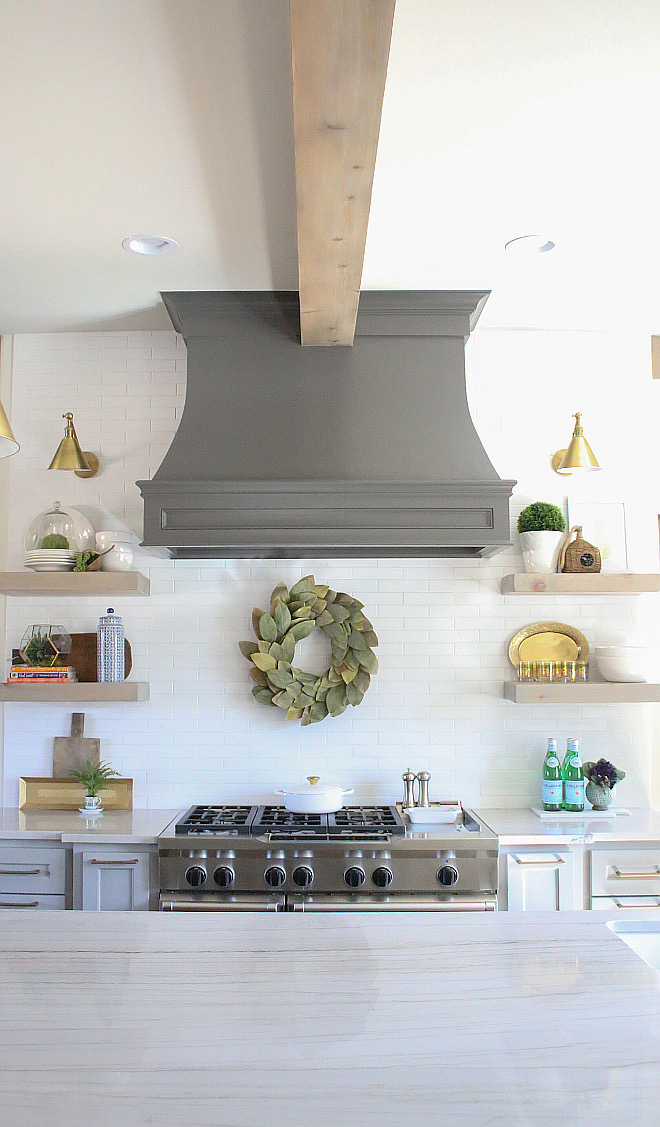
{"x": 83, "y": 656}
{"x": 70, "y": 753}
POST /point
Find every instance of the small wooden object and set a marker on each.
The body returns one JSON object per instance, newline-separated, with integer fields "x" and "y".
{"x": 67, "y": 794}
{"x": 70, "y": 753}
{"x": 579, "y": 556}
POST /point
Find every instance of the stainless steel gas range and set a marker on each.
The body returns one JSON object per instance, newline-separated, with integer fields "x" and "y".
{"x": 361, "y": 858}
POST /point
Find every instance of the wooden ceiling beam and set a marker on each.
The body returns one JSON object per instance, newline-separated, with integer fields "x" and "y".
{"x": 340, "y": 50}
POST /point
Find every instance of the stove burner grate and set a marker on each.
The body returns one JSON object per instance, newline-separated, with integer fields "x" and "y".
{"x": 235, "y": 820}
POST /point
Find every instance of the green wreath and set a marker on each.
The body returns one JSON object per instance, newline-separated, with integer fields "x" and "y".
{"x": 293, "y": 616}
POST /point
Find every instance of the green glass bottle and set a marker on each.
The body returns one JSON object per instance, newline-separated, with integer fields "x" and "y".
{"x": 573, "y": 777}
{"x": 551, "y": 787}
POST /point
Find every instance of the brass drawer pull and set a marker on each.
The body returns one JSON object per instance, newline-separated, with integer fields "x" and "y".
{"x": 540, "y": 864}
{"x": 618, "y": 875}
{"x": 32, "y": 904}
{"x": 644, "y": 907}
{"x": 134, "y": 861}
{"x": 19, "y": 872}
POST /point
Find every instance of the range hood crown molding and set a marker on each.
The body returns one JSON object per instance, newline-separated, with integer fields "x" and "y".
{"x": 284, "y": 452}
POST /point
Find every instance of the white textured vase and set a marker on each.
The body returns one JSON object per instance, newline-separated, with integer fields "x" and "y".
{"x": 540, "y": 550}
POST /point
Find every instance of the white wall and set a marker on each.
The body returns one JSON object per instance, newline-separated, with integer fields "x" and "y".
{"x": 444, "y": 627}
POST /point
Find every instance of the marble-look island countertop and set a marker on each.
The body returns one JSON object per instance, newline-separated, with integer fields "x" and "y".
{"x": 338, "y": 1019}
{"x": 132, "y": 827}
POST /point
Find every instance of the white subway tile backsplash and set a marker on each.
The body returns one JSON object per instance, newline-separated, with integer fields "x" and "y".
{"x": 443, "y": 625}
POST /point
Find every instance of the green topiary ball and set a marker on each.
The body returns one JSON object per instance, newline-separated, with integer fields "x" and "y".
{"x": 54, "y": 540}
{"x": 541, "y": 516}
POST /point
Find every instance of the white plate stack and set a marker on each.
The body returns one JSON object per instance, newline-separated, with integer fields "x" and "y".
{"x": 50, "y": 559}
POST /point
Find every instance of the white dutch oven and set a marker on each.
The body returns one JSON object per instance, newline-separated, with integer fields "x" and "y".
{"x": 314, "y": 799}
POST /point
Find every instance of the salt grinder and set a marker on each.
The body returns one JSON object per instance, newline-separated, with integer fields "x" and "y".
{"x": 423, "y": 779}
{"x": 408, "y": 781}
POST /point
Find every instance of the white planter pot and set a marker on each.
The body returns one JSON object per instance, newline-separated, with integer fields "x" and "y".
{"x": 540, "y": 550}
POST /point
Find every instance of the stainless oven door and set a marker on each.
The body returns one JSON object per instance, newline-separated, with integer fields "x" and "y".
{"x": 345, "y": 902}
{"x": 228, "y": 902}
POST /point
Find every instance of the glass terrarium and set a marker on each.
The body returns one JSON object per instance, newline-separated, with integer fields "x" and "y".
{"x": 59, "y": 528}
{"x": 45, "y": 644}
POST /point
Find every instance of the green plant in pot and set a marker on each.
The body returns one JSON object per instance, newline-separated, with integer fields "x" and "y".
{"x": 601, "y": 777}
{"x": 93, "y": 776}
{"x": 541, "y": 527}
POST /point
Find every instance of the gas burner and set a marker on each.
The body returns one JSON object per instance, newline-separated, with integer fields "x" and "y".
{"x": 279, "y": 824}
{"x": 226, "y": 820}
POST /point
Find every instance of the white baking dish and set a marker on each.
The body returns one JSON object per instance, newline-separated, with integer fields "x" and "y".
{"x": 436, "y": 813}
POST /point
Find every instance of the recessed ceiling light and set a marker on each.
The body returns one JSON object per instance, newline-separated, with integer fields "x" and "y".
{"x": 150, "y": 244}
{"x": 530, "y": 244}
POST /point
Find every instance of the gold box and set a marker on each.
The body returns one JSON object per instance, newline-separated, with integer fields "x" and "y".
{"x": 67, "y": 794}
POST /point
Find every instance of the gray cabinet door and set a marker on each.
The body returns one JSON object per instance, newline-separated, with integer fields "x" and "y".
{"x": 115, "y": 881}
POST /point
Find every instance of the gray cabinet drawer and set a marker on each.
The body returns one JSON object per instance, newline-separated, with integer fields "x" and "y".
{"x": 42, "y": 903}
{"x": 625, "y": 872}
{"x": 32, "y": 870}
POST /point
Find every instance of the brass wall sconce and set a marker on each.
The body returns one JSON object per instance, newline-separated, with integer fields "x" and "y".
{"x": 578, "y": 455}
{"x": 8, "y": 444}
{"x": 70, "y": 456}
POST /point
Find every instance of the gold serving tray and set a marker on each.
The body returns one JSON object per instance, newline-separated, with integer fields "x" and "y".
{"x": 548, "y": 641}
{"x": 67, "y": 794}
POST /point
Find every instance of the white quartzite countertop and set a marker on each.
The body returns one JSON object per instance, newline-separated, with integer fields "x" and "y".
{"x": 247, "y": 1019}
{"x": 522, "y": 827}
{"x": 134, "y": 827}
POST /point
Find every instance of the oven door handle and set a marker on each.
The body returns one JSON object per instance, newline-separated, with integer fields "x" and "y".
{"x": 181, "y": 902}
{"x": 402, "y": 903}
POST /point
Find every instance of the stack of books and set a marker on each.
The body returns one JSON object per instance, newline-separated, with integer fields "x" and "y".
{"x": 43, "y": 675}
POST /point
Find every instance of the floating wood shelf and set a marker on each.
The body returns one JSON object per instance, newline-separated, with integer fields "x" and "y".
{"x": 93, "y": 692}
{"x": 70, "y": 584}
{"x": 591, "y": 692}
{"x": 534, "y": 583}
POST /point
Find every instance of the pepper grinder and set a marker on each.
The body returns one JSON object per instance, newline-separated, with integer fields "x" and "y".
{"x": 408, "y": 782}
{"x": 423, "y": 780}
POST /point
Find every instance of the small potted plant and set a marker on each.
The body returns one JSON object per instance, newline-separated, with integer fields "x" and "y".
{"x": 601, "y": 777}
{"x": 540, "y": 527}
{"x": 93, "y": 776}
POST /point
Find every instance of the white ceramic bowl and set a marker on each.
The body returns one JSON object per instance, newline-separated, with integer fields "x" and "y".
{"x": 622, "y": 663}
{"x": 313, "y": 799}
{"x": 118, "y": 558}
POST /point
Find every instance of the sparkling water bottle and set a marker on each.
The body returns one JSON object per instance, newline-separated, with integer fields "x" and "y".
{"x": 552, "y": 793}
{"x": 573, "y": 777}
{"x": 110, "y": 647}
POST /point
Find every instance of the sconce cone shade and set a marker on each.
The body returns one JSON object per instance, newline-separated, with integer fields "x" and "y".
{"x": 69, "y": 455}
{"x": 578, "y": 455}
{"x": 8, "y": 444}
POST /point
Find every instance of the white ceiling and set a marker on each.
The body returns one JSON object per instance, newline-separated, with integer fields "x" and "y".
{"x": 174, "y": 117}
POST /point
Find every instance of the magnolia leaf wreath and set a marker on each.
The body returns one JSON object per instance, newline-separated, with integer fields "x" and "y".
{"x": 293, "y": 616}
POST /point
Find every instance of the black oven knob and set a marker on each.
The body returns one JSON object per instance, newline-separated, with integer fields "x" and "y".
{"x": 195, "y": 875}
{"x": 224, "y": 876}
{"x": 382, "y": 877}
{"x": 275, "y": 876}
{"x": 447, "y": 875}
{"x": 302, "y": 876}
{"x": 354, "y": 876}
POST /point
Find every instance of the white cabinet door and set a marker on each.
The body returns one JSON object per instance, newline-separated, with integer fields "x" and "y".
{"x": 542, "y": 882}
{"x": 115, "y": 881}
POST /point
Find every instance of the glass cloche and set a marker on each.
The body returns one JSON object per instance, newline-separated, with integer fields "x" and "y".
{"x": 60, "y": 528}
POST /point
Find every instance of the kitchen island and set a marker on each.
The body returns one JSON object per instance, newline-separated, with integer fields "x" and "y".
{"x": 239, "y": 1020}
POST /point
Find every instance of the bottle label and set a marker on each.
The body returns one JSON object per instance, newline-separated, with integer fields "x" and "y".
{"x": 551, "y": 793}
{"x": 574, "y": 792}
{"x": 552, "y": 761}
{"x": 575, "y": 761}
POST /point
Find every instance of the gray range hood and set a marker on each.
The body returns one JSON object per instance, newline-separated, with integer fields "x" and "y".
{"x": 288, "y": 452}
